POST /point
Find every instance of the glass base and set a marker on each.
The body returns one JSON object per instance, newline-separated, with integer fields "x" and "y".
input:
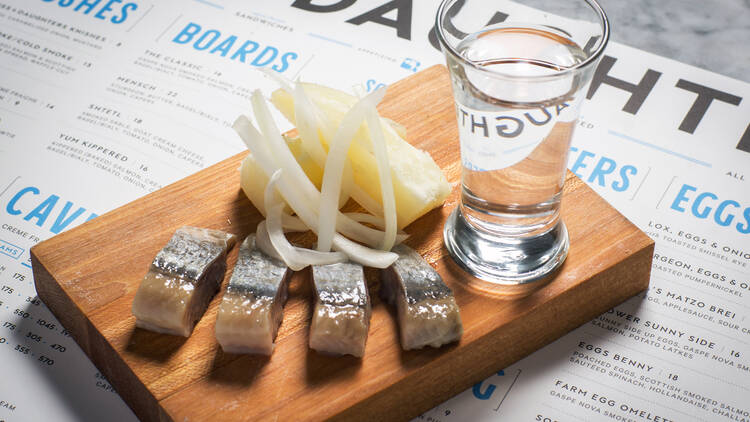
{"x": 507, "y": 266}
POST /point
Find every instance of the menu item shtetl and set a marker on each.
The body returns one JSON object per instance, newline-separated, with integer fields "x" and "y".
{"x": 183, "y": 278}
{"x": 252, "y": 307}
{"x": 427, "y": 311}
{"x": 342, "y": 309}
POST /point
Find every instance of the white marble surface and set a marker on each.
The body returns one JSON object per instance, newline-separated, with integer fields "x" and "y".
{"x": 711, "y": 34}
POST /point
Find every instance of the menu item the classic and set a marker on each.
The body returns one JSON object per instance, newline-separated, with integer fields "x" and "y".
{"x": 341, "y": 317}
{"x": 427, "y": 311}
{"x": 252, "y": 307}
{"x": 184, "y": 276}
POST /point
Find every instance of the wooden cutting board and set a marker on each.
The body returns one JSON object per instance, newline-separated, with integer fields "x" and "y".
{"x": 88, "y": 277}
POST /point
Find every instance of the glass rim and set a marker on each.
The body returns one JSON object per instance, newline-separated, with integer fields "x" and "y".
{"x": 447, "y": 47}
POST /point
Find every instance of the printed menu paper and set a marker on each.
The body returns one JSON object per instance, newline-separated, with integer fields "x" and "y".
{"x": 102, "y": 102}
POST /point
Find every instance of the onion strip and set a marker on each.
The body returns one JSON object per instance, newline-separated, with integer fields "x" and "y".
{"x": 334, "y": 168}
{"x": 254, "y": 141}
{"x": 355, "y": 252}
{"x": 294, "y": 257}
{"x": 264, "y": 242}
{"x": 376, "y": 221}
{"x": 386, "y": 182}
{"x": 308, "y": 119}
{"x": 278, "y": 147}
{"x": 362, "y": 254}
{"x": 309, "y": 125}
{"x": 280, "y": 156}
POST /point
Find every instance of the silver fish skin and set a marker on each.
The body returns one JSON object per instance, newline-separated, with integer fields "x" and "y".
{"x": 252, "y": 308}
{"x": 427, "y": 311}
{"x": 183, "y": 277}
{"x": 341, "y": 317}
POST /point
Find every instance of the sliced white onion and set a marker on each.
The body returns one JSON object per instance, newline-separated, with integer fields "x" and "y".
{"x": 310, "y": 124}
{"x": 293, "y": 224}
{"x": 288, "y": 189}
{"x": 307, "y": 126}
{"x": 294, "y": 179}
{"x": 295, "y": 258}
{"x": 278, "y": 147}
{"x": 305, "y": 209}
{"x": 377, "y": 222}
{"x": 334, "y": 168}
{"x": 264, "y": 242}
{"x": 362, "y": 217}
{"x": 365, "y": 200}
{"x": 386, "y": 181}
{"x": 362, "y": 254}
{"x": 396, "y": 126}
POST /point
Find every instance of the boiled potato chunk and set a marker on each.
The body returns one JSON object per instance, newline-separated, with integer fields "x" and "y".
{"x": 253, "y": 179}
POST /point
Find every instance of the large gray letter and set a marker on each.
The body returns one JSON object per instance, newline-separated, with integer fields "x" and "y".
{"x": 705, "y": 96}
{"x": 310, "y": 7}
{"x": 638, "y": 92}
{"x": 377, "y": 15}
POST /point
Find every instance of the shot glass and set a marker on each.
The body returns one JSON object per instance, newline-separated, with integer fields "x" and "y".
{"x": 519, "y": 72}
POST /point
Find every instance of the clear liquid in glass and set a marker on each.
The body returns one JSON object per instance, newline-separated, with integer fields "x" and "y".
{"x": 517, "y": 103}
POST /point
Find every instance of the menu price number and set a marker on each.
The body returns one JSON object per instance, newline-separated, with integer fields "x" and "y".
{"x": 46, "y": 324}
{"x": 3, "y": 340}
{"x": 22, "y": 349}
{"x": 58, "y": 347}
{"x": 33, "y": 300}
{"x": 18, "y": 276}
{"x": 45, "y": 360}
{"x": 65, "y": 332}
{"x": 34, "y": 337}
{"x": 21, "y": 313}
{"x": 673, "y": 377}
{"x": 734, "y": 353}
{"x": 7, "y": 290}
{"x": 9, "y": 325}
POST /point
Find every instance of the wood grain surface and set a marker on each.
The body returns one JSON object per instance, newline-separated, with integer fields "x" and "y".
{"x": 88, "y": 277}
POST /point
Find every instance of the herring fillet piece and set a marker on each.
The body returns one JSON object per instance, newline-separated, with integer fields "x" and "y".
{"x": 251, "y": 310}
{"x": 341, "y": 317}
{"x": 182, "y": 279}
{"x": 427, "y": 311}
